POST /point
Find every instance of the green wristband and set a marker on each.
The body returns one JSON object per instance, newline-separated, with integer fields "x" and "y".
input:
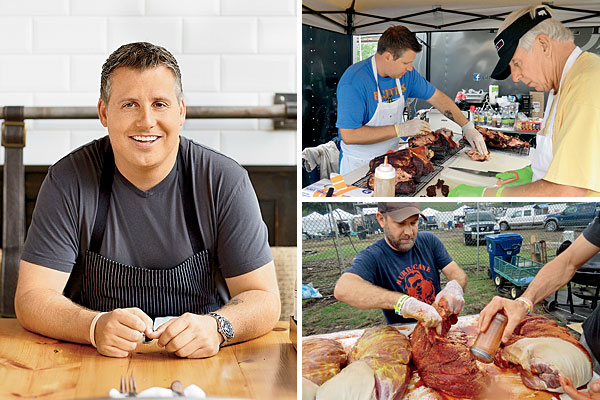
{"x": 499, "y": 191}
{"x": 400, "y": 303}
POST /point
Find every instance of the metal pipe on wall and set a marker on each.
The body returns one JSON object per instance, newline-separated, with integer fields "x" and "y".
{"x": 287, "y": 111}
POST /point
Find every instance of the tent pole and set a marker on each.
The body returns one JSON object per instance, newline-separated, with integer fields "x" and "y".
{"x": 428, "y": 57}
{"x": 349, "y": 30}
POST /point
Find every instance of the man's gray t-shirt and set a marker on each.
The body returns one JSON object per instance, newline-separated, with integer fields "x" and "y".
{"x": 591, "y": 326}
{"x": 147, "y": 228}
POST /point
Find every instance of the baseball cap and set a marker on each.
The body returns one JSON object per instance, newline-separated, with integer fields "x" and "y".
{"x": 507, "y": 41}
{"x": 399, "y": 211}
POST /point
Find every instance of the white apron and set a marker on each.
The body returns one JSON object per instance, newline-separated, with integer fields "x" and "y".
{"x": 543, "y": 149}
{"x": 356, "y": 155}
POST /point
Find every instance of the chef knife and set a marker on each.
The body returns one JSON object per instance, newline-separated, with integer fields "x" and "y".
{"x": 477, "y": 172}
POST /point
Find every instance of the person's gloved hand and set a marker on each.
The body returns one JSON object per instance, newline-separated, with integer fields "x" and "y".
{"x": 467, "y": 191}
{"x": 474, "y": 138}
{"x": 453, "y": 293}
{"x": 413, "y": 308}
{"x": 525, "y": 175}
{"x": 413, "y": 127}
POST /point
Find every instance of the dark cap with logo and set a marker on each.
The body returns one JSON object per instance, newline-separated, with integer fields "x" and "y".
{"x": 507, "y": 41}
{"x": 399, "y": 211}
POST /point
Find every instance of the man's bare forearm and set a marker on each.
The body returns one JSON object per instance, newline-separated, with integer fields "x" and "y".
{"x": 446, "y": 106}
{"x": 359, "y": 293}
{"x": 368, "y": 134}
{"x": 538, "y": 188}
{"x": 252, "y": 313}
{"x": 51, "y": 314}
{"x": 559, "y": 271}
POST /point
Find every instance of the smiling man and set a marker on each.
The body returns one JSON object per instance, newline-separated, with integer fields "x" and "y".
{"x": 401, "y": 272}
{"x": 371, "y": 98}
{"x": 539, "y": 51}
{"x": 145, "y": 223}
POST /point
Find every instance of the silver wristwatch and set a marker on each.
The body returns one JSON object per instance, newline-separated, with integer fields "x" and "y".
{"x": 224, "y": 327}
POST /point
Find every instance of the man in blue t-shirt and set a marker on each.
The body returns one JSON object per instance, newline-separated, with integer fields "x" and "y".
{"x": 371, "y": 96}
{"x": 401, "y": 272}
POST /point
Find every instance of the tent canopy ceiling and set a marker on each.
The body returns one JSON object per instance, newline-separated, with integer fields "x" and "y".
{"x": 375, "y": 16}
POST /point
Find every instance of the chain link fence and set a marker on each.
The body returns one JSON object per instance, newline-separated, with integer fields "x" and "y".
{"x": 334, "y": 233}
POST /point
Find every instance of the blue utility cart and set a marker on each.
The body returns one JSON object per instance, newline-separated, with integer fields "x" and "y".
{"x": 504, "y": 245}
{"x": 516, "y": 273}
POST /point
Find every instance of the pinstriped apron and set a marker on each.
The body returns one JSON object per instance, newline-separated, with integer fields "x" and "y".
{"x": 187, "y": 287}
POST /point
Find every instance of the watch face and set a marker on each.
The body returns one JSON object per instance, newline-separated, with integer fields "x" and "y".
{"x": 227, "y": 329}
{"x": 224, "y": 326}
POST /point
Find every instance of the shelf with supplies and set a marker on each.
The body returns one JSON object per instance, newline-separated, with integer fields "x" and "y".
{"x": 510, "y": 130}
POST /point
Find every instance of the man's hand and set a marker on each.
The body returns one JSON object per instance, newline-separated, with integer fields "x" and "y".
{"x": 413, "y": 127}
{"x": 413, "y": 308}
{"x": 474, "y": 138}
{"x": 119, "y": 331}
{"x": 592, "y": 394}
{"x": 514, "y": 310}
{"x": 523, "y": 175}
{"x": 190, "y": 335}
{"x": 467, "y": 191}
{"x": 453, "y": 293}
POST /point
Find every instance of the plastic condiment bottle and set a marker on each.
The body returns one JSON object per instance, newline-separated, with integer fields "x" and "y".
{"x": 487, "y": 343}
{"x": 385, "y": 180}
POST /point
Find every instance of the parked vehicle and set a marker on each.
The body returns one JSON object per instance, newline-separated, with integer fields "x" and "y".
{"x": 429, "y": 223}
{"x": 575, "y": 216}
{"x": 520, "y": 217}
{"x": 478, "y": 225}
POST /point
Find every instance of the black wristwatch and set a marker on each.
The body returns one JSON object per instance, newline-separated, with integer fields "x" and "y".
{"x": 224, "y": 327}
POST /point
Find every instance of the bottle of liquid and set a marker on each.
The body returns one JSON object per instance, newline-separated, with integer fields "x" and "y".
{"x": 497, "y": 120}
{"x": 505, "y": 118}
{"x": 385, "y": 180}
{"x": 488, "y": 117}
{"x": 487, "y": 343}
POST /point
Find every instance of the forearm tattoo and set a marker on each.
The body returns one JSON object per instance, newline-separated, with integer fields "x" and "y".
{"x": 235, "y": 302}
{"x": 448, "y": 114}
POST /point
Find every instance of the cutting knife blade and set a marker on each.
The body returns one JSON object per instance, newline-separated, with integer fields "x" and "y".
{"x": 477, "y": 172}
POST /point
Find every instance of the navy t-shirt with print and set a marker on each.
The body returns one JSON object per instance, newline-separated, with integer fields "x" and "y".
{"x": 415, "y": 272}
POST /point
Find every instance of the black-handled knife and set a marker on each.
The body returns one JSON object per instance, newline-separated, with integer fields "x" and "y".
{"x": 477, "y": 172}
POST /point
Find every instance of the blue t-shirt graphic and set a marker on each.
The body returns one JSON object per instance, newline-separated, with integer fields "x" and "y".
{"x": 358, "y": 98}
{"x": 415, "y": 272}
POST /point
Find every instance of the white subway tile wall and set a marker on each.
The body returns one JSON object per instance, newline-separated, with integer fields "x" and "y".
{"x": 230, "y": 52}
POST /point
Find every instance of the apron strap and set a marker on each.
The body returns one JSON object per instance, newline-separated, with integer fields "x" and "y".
{"x": 106, "y": 181}
{"x": 185, "y": 189}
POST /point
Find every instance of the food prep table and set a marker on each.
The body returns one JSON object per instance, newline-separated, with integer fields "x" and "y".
{"x": 501, "y": 161}
{"x": 508, "y": 382}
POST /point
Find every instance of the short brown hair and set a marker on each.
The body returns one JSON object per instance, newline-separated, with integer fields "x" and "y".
{"x": 140, "y": 56}
{"x": 396, "y": 40}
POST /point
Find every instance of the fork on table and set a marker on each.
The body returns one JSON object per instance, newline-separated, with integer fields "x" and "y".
{"x": 128, "y": 387}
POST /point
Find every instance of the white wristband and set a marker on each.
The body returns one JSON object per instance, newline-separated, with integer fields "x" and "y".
{"x": 93, "y": 328}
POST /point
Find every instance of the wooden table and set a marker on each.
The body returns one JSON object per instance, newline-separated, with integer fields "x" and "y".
{"x": 34, "y": 366}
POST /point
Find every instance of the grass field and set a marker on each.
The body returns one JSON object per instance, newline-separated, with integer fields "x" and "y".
{"x": 321, "y": 267}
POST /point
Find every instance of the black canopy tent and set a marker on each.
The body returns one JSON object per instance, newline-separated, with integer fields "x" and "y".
{"x": 375, "y": 16}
